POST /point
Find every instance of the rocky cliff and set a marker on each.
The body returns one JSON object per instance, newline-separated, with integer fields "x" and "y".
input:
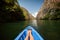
{"x": 31, "y": 17}
{"x": 11, "y": 11}
{"x": 49, "y": 10}
{"x": 27, "y": 15}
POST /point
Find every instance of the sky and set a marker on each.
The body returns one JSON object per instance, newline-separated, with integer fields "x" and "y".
{"x": 32, "y": 6}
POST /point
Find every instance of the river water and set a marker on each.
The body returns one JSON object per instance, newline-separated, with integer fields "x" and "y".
{"x": 48, "y": 29}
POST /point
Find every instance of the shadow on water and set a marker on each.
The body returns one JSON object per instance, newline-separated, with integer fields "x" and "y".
{"x": 8, "y": 31}
{"x": 49, "y": 29}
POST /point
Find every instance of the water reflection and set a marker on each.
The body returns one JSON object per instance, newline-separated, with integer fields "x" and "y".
{"x": 8, "y": 31}
{"x": 49, "y": 29}
{"x": 33, "y": 23}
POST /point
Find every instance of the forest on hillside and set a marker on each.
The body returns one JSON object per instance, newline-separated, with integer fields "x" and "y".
{"x": 11, "y": 11}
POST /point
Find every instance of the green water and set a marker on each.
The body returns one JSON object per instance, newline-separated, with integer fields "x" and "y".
{"x": 50, "y": 30}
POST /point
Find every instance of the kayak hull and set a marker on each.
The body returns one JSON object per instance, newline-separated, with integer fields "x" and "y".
{"x": 23, "y": 34}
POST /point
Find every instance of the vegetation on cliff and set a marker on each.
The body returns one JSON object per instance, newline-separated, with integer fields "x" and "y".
{"x": 26, "y": 13}
{"x": 10, "y": 11}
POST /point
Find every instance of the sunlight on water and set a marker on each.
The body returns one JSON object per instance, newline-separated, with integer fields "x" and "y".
{"x": 33, "y": 23}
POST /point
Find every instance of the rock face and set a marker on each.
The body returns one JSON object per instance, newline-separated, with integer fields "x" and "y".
{"x": 10, "y": 11}
{"x": 49, "y": 10}
{"x": 31, "y": 17}
{"x": 27, "y": 15}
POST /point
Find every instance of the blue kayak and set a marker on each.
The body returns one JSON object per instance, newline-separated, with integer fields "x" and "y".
{"x": 23, "y": 34}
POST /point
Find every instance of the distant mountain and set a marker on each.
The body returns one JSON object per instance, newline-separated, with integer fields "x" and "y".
{"x": 27, "y": 15}
{"x": 49, "y": 10}
{"x": 31, "y": 17}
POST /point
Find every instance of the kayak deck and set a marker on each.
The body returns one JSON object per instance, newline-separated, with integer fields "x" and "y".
{"x": 23, "y": 34}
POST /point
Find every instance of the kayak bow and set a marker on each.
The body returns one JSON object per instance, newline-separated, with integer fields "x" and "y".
{"x": 23, "y": 34}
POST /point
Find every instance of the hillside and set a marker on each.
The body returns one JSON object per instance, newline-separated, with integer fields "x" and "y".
{"x": 31, "y": 17}
{"x": 49, "y": 10}
{"x": 26, "y": 13}
{"x": 11, "y": 11}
